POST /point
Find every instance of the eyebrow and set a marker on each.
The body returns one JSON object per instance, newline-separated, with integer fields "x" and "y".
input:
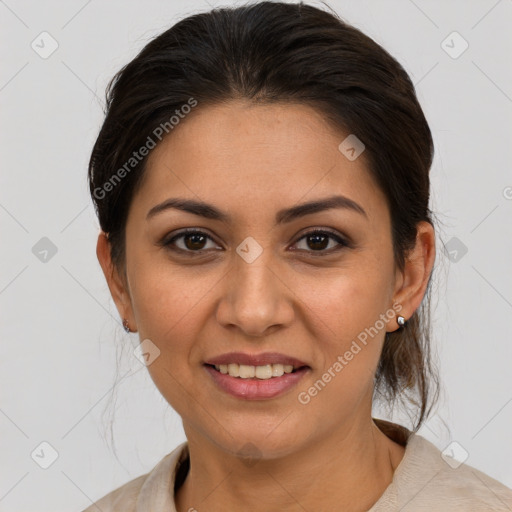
{"x": 284, "y": 216}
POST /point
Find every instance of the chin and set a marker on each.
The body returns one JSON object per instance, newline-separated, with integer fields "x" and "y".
{"x": 265, "y": 440}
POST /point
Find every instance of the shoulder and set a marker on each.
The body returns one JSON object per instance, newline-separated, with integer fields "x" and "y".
{"x": 151, "y": 491}
{"x": 426, "y": 479}
{"x": 124, "y": 496}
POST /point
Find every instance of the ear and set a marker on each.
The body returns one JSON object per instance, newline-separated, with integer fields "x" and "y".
{"x": 117, "y": 284}
{"x": 411, "y": 283}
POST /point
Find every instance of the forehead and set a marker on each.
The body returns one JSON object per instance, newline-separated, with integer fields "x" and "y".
{"x": 253, "y": 156}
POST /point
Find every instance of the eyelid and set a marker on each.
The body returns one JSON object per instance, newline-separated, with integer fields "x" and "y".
{"x": 340, "y": 239}
{"x": 328, "y": 231}
{"x": 167, "y": 241}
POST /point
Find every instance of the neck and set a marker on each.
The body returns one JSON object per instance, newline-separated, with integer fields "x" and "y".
{"x": 349, "y": 472}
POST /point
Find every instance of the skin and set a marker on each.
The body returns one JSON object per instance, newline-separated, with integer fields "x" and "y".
{"x": 251, "y": 161}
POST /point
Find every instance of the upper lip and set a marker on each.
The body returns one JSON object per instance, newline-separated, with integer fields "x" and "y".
{"x": 256, "y": 359}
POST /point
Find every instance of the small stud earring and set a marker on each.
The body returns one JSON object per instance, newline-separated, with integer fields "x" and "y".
{"x": 126, "y": 326}
{"x": 400, "y": 320}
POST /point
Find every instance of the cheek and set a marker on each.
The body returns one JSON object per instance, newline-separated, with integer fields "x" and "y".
{"x": 167, "y": 305}
{"x": 167, "y": 298}
{"x": 349, "y": 333}
{"x": 344, "y": 303}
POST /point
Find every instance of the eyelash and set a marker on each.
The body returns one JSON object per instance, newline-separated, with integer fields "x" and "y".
{"x": 321, "y": 253}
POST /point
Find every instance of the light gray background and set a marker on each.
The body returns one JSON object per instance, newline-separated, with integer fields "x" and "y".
{"x": 59, "y": 326}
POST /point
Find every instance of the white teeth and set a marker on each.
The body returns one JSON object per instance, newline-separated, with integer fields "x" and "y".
{"x": 234, "y": 370}
{"x": 245, "y": 371}
{"x": 277, "y": 370}
{"x": 264, "y": 372}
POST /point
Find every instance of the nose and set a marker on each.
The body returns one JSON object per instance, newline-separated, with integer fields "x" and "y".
{"x": 256, "y": 297}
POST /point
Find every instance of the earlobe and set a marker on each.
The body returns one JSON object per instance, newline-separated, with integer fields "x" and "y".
{"x": 399, "y": 320}
{"x": 116, "y": 284}
{"x": 419, "y": 263}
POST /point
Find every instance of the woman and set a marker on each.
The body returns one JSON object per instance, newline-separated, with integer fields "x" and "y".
{"x": 262, "y": 184}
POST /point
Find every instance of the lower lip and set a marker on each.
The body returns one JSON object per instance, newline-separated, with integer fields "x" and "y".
{"x": 256, "y": 389}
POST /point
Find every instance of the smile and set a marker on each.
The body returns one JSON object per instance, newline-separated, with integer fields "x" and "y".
{"x": 252, "y": 387}
{"x": 244, "y": 371}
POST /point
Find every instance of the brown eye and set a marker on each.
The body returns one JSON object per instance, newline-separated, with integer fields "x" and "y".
{"x": 318, "y": 241}
{"x": 190, "y": 241}
{"x": 194, "y": 241}
{"x": 321, "y": 242}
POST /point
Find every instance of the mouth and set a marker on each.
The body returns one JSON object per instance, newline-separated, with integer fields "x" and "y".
{"x": 256, "y": 377}
{"x": 262, "y": 372}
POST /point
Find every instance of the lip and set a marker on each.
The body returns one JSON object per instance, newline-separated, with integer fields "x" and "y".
{"x": 255, "y": 359}
{"x": 256, "y": 389}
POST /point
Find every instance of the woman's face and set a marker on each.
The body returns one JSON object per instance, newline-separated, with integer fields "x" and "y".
{"x": 255, "y": 281}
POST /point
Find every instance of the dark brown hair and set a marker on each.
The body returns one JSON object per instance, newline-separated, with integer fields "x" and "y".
{"x": 270, "y": 52}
